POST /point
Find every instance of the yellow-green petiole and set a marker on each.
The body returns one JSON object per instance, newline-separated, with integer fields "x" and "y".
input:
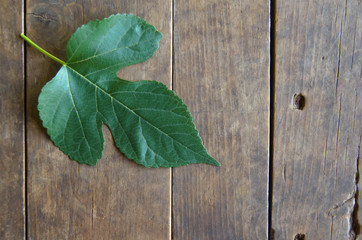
{"x": 42, "y": 50}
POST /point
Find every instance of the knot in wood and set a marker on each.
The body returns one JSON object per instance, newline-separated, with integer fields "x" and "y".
{"x": 298, "y": 101}
{"x": 299, "y": 236}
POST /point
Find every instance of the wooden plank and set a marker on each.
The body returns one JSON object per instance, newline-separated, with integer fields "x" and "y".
{"x": 221, "y": 70}
{"x": 316, "y": 149}
{"x": 117, "y": 199}
{"x": 12, "y": 179}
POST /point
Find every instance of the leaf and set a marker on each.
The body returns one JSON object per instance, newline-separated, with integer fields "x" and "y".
{"x": 149, "y": 123}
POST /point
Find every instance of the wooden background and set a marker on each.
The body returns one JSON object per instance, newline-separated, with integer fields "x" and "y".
{"x": 286, "y": 173}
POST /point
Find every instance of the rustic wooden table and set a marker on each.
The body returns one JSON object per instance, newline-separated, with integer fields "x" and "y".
{"x": 286, "y": 173}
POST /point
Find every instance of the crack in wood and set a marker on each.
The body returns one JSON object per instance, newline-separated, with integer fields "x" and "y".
{"x": 354, "y": 45}
{"x": 43, "y": 17}
{"x": 339, "y": 56}
{"x": 325, "y": 157}
{"x": 339, "y": 120}
{"x": 354, "y": 224}
{"x": 354, "y": 110}
{"x": 333, "y": 211}
{"x": 332, "y": 229}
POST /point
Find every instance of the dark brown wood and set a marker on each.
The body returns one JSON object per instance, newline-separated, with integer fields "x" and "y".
{"x": 117, "y": 199}
{"x": 221, "y": 70}
{"x": 12, "y": 180}
{"x": 316, "y": 149}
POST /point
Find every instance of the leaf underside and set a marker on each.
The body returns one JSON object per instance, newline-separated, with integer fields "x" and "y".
{"x": 149, "y": 123}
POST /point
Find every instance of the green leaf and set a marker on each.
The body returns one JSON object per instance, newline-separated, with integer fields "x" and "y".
{"x": 149, "y": 123}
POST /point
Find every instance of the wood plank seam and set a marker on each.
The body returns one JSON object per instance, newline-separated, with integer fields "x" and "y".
{"x": 172, "y": 220}
{"x": 271, "y": 231}
{"x": 25, "y": 123}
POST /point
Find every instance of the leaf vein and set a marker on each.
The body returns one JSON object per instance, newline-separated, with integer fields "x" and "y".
{"x": 79, "y": 119}
{"x": 80, "y": 44}
{"x": 125, "y": 133}
{"x": 110, "y": 51}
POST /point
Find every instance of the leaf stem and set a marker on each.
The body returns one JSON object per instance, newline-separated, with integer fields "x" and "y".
{"x": 41, "y": 50}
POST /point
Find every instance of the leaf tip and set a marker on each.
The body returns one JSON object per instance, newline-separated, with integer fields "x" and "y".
{"x": 217, "y": 164}
{"x": 214, "y": 163}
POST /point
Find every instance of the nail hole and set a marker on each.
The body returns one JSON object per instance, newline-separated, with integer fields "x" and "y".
{"x": 299, "y": 236}
{"x": 298, "y": 101}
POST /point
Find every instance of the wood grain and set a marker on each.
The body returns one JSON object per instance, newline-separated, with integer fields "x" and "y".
{"x": 12, "y": 179}
{"x": 316, "y": 150}
{"x": 221, "y": 70}
{"x": 117, "y": 199}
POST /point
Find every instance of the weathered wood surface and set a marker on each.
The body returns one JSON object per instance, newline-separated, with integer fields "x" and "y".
{"x": 221, "y": 70}
{"x": 12, "y": 179}
{"x": 317, "y": 149}
{"x": 117, "y": 199}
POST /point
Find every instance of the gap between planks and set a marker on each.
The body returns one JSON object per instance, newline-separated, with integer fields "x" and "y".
{"x": 273, "y": 8}
{"x": 25, "y": 135}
